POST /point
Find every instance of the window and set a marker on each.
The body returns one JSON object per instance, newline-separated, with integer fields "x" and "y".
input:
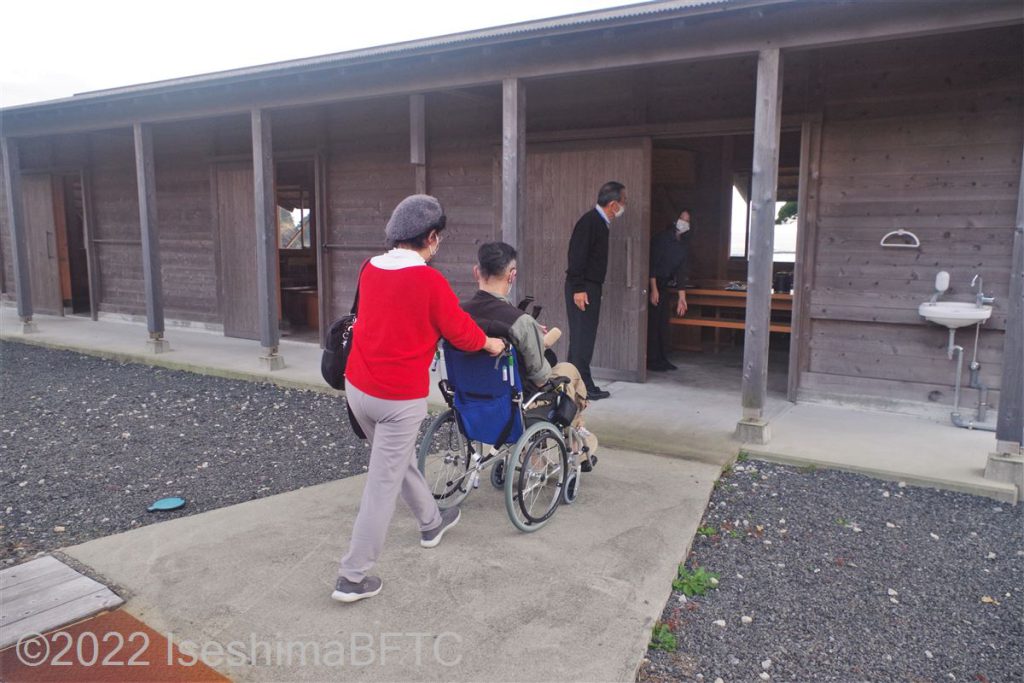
{"x": 785, "y": 224}
{"x": 293, "y": 221}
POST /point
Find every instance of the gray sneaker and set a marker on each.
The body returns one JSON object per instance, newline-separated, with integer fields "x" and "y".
{"x": 449, "y": 518}
{"x": 350, "y": 591}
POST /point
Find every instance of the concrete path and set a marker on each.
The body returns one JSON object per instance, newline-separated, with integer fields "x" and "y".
{"x": 885, "y": 445}
{"x": 573, "y": 601}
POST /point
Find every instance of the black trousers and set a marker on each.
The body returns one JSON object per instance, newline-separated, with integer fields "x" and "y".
{"x": 583, "y": 330}
{"x": 658, "y": 328}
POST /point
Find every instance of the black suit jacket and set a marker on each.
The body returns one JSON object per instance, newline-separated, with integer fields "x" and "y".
{"x": 588, "y": 252}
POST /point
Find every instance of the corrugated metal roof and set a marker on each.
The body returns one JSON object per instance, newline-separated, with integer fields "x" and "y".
{"x": 643, "y": 11}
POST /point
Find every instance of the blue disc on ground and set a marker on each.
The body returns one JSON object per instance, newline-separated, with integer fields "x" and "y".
{"x": 166, "y": 504}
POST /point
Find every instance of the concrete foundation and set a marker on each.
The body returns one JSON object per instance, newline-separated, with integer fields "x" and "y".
{"x": 272, "y": 362}
{"x": 753, "y": 430}
{"x": 158, "y": 345}
{"x": 1007, "y": 469}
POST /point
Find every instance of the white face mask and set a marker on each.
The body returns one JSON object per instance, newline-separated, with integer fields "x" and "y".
{"x": 682, "y": 226}
{"x": 621, "y": 210}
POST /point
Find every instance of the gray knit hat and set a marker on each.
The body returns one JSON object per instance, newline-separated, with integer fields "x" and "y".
{"x": 414, "y": 215}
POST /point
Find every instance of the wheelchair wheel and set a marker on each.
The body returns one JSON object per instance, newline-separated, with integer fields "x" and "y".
{"x": 571, "y": 489}
{"x": 444, "y": 460}
{"x": 534, "y": 476}
{"x": 498, "y": 474}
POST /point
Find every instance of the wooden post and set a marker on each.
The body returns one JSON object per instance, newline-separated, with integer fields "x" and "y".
{"x": 266, "y": 238}
{"x": 806, "y": 251}
{"x": 16, "y": 224}
{"x": 767, "y": 127}
{"x": 88, "y": 226}
{"x": 145, "y": 179}
{"x": 513, "y": 164}
{"x": 1010, "y": 427}
{"x": 418, "y": 140}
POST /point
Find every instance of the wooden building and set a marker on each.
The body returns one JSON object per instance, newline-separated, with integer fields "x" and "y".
{"x": 166, "y": 201}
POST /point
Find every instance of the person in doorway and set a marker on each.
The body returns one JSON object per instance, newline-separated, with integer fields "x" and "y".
{"x": 584, "y": 278}
{"x": 670, "y": 268}
{"x": 404, "y": 309}
{"x": 495, "y": 272}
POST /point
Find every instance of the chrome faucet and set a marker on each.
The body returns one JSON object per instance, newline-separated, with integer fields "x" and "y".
{"x": 981, "y": 299}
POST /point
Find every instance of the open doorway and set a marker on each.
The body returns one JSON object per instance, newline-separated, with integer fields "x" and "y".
{"x": 709, "y": 176}
{"x": 297, "y": 224}
{"x": 75, "y": 256}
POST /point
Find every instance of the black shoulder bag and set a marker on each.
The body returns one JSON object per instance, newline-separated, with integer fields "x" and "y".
{"x": 336, "y": 349}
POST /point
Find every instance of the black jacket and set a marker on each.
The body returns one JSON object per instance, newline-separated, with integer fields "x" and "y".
{"x": 670, "y": 257}
{"x": 588, "y": 252}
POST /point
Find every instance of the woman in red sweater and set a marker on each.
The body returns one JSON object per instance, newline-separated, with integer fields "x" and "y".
{"x": 405, "y": 307}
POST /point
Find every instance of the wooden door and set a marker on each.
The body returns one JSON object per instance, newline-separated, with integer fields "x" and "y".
{"x": 42, "y": 242}
{"x": 562, "y": 181}
{"x": 237, "y": 245}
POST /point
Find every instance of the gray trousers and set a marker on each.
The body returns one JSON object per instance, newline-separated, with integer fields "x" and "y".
{"x": 391, "y": 427}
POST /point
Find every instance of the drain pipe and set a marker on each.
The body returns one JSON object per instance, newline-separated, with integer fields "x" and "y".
{"x": 975, "y": 368}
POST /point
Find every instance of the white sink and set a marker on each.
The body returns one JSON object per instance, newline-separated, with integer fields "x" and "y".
{"x": 954, "y": 314}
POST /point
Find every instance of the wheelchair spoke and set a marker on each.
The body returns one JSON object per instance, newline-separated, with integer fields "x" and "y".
{"x": 444, "y": 458}
{"x": 539, "y": 466}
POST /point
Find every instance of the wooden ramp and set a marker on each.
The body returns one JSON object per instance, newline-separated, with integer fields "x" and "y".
{"x": 45, "y": 594}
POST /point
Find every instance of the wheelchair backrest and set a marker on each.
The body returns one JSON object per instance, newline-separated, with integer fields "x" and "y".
{"x": 485, "y": 390}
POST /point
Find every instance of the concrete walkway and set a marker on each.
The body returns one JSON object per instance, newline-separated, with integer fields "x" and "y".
{"x": 574, "y": 601}
{"x": 885, "y": 445}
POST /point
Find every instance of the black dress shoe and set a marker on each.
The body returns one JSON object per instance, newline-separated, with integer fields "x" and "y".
{"x": 595, "y": 394}
{"x": 589, "y": 464}
{"x": 658, "y": 367}
{"x": 670, "y": 365}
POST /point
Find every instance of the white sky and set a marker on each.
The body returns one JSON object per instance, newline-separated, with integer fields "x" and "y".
{"x": 56, "y": 48}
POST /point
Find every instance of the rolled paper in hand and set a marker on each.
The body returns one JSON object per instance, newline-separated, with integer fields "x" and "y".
{"x": 553, "y": 335}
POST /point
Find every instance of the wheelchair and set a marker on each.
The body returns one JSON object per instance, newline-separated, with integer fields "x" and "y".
{"x": 526, "y": 439}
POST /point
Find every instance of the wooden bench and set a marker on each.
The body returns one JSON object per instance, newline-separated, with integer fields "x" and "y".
{"x": 699, "y": 300}
{"x": 725, "y": 323}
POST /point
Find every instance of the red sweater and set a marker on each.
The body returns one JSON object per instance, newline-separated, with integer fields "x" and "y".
{"x": 405, "y": 307}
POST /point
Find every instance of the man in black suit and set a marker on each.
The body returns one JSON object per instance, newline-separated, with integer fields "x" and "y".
{"x": 670, "y": 267}
{"x": 588, "y": 264}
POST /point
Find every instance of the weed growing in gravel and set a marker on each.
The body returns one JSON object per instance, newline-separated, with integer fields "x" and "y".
{"x": 841, "y": 521}
{"x": 662, "y": 638}
{"x": 809, "y": 469}
{"x": 742, "y": 457}
{"x": 736, "y": 533}
{"x": 727, "y": 471}
{"x": 696, "y": 582}
{"x": 707, "y": 531}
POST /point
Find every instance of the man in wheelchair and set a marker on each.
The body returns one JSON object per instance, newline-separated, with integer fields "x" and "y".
{"x": 495, "y": 272}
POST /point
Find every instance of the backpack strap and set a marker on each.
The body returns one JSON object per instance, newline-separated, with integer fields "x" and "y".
{"x": 355, "y": 301}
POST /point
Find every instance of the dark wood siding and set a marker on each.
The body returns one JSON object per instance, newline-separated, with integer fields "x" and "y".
{"x": 185, "y": 222}
{"x": 923, "y": 135}
{"x": 464, "y": 139}
{"x": 237, "y": 234}
{"x": 368, "y": 173}
{"x": 116, "y": 236}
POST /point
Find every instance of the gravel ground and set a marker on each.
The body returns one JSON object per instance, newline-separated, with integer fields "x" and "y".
{"x": 87, "y": 444}
{"x": 847, "y": 578}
